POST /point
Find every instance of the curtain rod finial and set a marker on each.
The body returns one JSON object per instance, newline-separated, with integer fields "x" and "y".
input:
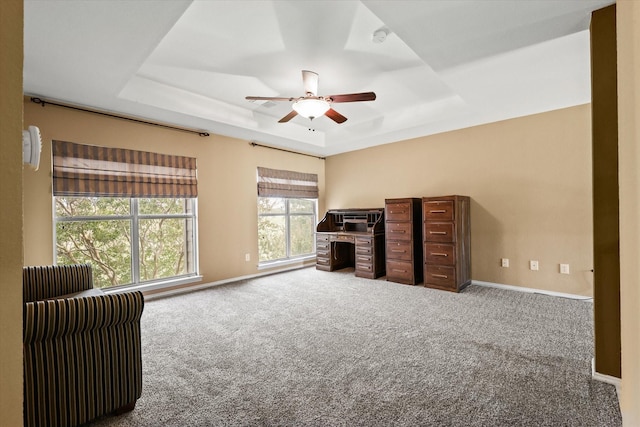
{"x": 37, "y": 101}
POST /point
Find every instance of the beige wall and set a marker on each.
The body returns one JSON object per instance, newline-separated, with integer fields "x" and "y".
{"x": 529, "y": 180}
{"x": 227, "y": 207}
{"x": 628, "y": 29}
{"x": 11, "y": 213}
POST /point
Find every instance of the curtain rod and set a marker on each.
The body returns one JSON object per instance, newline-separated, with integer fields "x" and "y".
{"x": 255, "y": 144}
{"x": 116, "y": 116}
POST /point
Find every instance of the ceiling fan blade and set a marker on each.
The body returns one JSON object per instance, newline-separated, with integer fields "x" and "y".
{"x": 267, "y": 98}
{"x": 310, "y": 82}
{"x": 288, "y": 117}
{"x": 353, "y": 97}
{"x": 335, "y": 116}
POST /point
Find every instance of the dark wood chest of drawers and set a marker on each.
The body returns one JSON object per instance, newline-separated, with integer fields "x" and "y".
{"x": 447, "y": 242}
{"x": 403, "y": 241}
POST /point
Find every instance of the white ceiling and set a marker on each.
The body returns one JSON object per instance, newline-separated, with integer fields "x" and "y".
{"x": 445, "y": 65}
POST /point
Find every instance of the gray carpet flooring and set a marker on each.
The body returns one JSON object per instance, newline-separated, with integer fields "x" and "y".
{"x": 312, "y": 348}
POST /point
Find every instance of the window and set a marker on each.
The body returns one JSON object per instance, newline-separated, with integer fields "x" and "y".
{"x": 287, "y": 205}
{"x": 127, "y": 240}
{"x": 286, "y": 228}
{"x": 130, "y": 214}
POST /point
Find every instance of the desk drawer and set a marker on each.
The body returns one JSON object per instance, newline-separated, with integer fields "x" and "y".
{"x": 322, "y": 244}
{"x": 342, "y": 238}
{"x": 399, "y": 250}
{"x": 322, "y": 253}
{"x": 322, "y": 237}
{"x": 439, "y": 254}
{"x": 364, "y": 259}
{"x": 398, "y": 212}
{"x": 364, "y": 250}
{"x": 322, "y": 261}
{"x": 439, "y": 231}
{"x": 399, "y": 231}
{"x": 363, "y": 241}
{"x": 364, "y": 266}
{"x": 438, "y": 210}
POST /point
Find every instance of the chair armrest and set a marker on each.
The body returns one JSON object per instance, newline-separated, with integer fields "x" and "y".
{"x": 51, "y": 319}
{"x": 41, "y": 282}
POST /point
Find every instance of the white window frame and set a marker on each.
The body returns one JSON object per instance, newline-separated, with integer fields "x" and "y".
{"x": 133, "y": 217}
{"x": 288, "y": 258}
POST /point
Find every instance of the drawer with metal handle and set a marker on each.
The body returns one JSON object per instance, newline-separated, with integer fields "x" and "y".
{"x": 439, "y": 231}
{"x": 439, "y": 254}
{"x": 434, "y": 210}
{"x": 440, "y": 276}
{"x": 322, "y": 237}
{"x": 362, "y": 242}
{"x": 397, "y": 212}
{"x": 324, "y": 253}
{"x": 364, "y": 250}
{"x": 400, "y": 271}
{"x": 399, "y": 231}
{"x": 399, "y": 250}
{"x": 342, "y": 238}
{"x": 364, "y": 266}
{"x": 322, "y": 261}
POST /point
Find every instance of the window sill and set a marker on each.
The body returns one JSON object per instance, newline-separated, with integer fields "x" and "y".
{"x": 160, "y": 284}
{"x": 286, "y": 262}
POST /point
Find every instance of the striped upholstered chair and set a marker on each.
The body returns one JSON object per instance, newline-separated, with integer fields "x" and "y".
{"x": 82, "y": 356}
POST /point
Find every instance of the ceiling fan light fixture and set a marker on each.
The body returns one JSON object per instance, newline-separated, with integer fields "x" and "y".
{"x": 311, "y": 107}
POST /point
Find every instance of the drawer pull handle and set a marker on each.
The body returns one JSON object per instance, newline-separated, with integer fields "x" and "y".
{"x": 361, "y": 258}
{"x": 399, "y": 271}
{"x": 440, "y": 276}
{"x": 438, "y": 232}
{"x": 398, "y": 231}
{"x": 400, "y": 251}
{"x": 438, "y": 254}
{"x": 393, "y": 212}
{"x": 438, "y": 211}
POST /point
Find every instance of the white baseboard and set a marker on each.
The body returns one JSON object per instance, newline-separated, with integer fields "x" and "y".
{"x": 186, "y": 289}
{"x": 605, "y": 378}
{"x": 531, "y": 290}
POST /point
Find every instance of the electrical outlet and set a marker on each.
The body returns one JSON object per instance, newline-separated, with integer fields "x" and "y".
{"x": 247, "y": 257}
{"x": 564, "y": 269}
{"x": 504, "y": 262}
{"x": 533, "y": 265}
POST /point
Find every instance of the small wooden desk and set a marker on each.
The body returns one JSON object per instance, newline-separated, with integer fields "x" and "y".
{"x": 352, "y": 238}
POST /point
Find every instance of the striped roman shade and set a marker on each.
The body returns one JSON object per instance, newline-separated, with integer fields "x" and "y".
{"x": 92, "y": 171}
{"x": 281, "y": 183}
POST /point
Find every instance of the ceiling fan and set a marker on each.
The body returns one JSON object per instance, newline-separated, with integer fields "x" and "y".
{"x": 311, "y": 105}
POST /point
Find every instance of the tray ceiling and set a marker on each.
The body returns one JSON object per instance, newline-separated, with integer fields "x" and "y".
{"x": 444, "y": 65}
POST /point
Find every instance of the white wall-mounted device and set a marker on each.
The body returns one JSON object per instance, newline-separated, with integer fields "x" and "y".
{"x": 31, "y": 146}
